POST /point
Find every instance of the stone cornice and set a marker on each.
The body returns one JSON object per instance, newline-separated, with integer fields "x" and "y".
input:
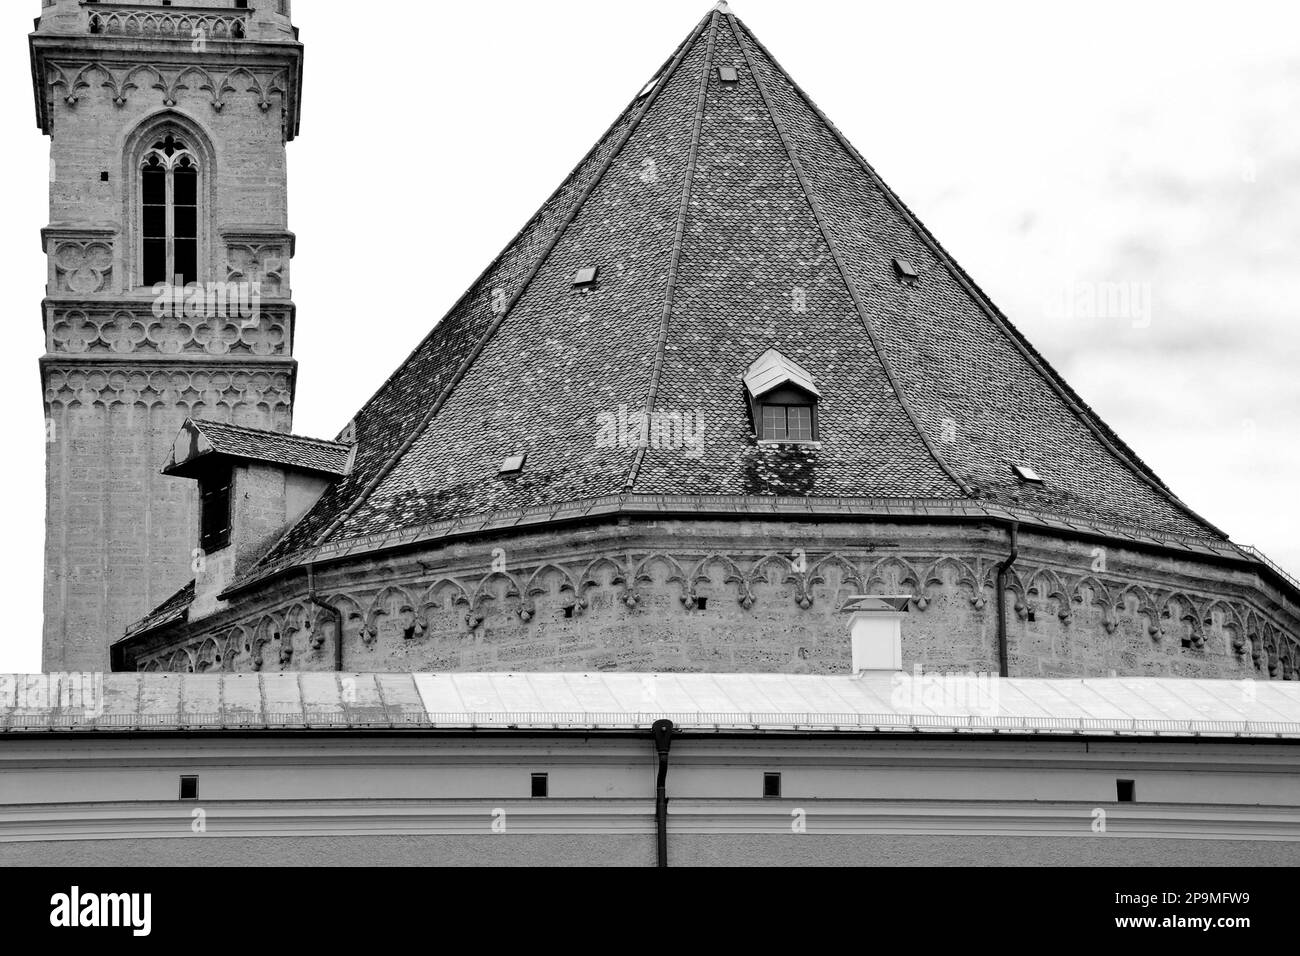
{"x": 65, "y": 65}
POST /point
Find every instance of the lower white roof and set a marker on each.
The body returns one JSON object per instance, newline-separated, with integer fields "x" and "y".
{"x": 878, "y": 701}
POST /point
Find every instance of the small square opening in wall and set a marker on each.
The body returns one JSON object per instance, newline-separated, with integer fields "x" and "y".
{"x": 586, "y": 277}
{"x": 1125, "y": 791}
{"x": 702, "y": 603}
{"x": 1027, "y": 474}
{"x": 771, "y": 785}
{"x": 728, "y": 74}
{"x": 189, "y": 788}
{"x": 541, "y": 785}
{"x": 103, "y": 176}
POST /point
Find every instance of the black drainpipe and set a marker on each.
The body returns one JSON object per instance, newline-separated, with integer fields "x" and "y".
{"x": 1003, "y": 568}
{"x": 333, "y": 611}
{"x": 663, "y": 734}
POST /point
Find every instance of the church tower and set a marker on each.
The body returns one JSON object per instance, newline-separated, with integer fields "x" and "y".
{"x": 168, "y": 292}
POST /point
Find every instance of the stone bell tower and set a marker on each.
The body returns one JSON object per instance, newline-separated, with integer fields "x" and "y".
{"x": 168, "y": 127}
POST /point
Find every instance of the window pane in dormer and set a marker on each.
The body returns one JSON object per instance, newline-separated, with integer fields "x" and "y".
{"x": 799, "y": 422}
{"x": 773, "y": 422}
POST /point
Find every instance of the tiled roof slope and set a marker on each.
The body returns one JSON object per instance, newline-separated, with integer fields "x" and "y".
{"x": 172, "y": 609}
{"x": 255, "y": 444}
{"x": 726, "y": 219}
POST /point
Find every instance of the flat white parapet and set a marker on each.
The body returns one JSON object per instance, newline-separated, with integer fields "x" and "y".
{"x": 875, "y": 701}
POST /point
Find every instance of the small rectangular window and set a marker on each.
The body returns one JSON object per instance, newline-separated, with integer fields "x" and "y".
{"x": 728, "y": 74}
{"x": 541, "y": 785}
{"x": 787, "y": 423}
{"x": 189, "y": 788}
{"x": 586, "y": 276}
{"x": 214, "y": 510}
{"x": 771, "y": 785}
{"x": 1125, "y": 791}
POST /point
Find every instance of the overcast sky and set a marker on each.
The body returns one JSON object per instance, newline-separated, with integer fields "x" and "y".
{"x": 1057, "y": 150}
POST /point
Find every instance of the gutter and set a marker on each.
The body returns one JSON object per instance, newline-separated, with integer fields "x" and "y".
{"x": 663, "y": 737}
{"x": 334, "y": 612}
{"x": 1003, "y": 664}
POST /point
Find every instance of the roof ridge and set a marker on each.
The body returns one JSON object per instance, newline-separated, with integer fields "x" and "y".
{"x": 432, "y": 412}
{"x": 1090, "y": 419}
{"x": 815, "y": 205}
{"x": 674, "y": 264}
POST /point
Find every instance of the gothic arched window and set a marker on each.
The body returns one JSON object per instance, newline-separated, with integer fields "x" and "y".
{"x": 169, "y": 212}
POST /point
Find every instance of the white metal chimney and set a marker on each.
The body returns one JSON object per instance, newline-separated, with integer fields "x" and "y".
{"x": 876, "y": 630}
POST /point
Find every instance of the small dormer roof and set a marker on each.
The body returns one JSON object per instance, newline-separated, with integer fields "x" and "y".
{"x": 201, "y": 441}
{"x": 772, "y": 370}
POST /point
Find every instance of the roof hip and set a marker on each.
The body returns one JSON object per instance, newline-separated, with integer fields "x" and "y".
{"x": 496, "y": 324}
{"x": 849, "y": 284}
{"x": 1103, "y": 433}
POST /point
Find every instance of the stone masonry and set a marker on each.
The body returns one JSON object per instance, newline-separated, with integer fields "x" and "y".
{"x": 750, "y": 596}
{"x": 120, "y": 374}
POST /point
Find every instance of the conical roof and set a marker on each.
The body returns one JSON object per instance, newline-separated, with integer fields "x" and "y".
{"x": 727, "y": 218}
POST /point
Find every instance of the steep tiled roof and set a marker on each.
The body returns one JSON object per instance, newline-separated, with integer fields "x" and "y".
{"x": 726, "y": 219}
{"x": 173, "y": 609}
{"x": 254, "y": 444}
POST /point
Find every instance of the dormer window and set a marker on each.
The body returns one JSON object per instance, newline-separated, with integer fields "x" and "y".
{"x": 783, "y": 400}
{"x": 214, "y": 513}
{"x": 785, "y": 419}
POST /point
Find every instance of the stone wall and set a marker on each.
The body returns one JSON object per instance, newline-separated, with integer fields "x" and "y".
{"x": 751, "y": 596}
{"x": 121, "y": 375}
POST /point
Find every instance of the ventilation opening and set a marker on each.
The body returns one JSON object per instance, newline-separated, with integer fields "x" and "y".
{"x": 728, "y": 74}
{"x": 1030, "y": 616}
{"x": 512, "y": 465}
{"x": 568, "y": 611}
{"x": 1027, "y": 474}
{"x": 189, "y": 788}
{"x": 702, "y": 603}
{"x": 771, "y": 785}
{"x": 1125, "y": 791}
{"x": 541, "y": 785}
{"x": 586, "y": 277}
{"x": 103, "y": 177}
{"x": 905, "y": 270}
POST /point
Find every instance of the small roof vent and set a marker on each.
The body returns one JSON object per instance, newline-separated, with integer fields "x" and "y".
{"x": 905, "y": 270}
{"x": 586, "y": 277}
{"x": 1027, "y": 474}
{"x": 728, "y": 74}
{"x": 513, "y": 465}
